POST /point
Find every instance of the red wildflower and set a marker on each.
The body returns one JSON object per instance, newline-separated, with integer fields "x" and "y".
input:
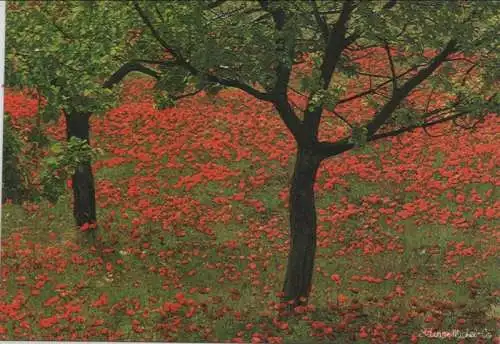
{"x": 170, "y": 307}
{"x": 101, "y": 301}
{"x": 48, "y": 322}
{"x": 335, "y": 278}
{"x": 51, "y": 301}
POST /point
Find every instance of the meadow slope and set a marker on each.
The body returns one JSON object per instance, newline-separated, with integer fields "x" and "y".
{"x": 192, "y": 208}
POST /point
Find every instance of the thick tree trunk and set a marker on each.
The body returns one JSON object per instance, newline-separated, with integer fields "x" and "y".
{"x": 84, "y": 210}
{"x": 302, "y": 209}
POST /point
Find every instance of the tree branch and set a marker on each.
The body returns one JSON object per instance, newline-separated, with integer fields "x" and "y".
{"x": 374, "y": 89}
{"x": 181, "y": 61}
{"x": 329, "y": 149}
{"x": 400, "y": 93}
{"x": 391, "y": 63}
{"x": 342, "y": 118}
{"x": 374, "y": 75}
{"x": 237, "y": 84}
{"x": 410, "y": 128}
{"x": 429, "y": 100}
{"x": 126, "y": 69}
{"x": 153, "y": 62}
{"x": 351, "y": 39}
{"x": 293, "y": 123}
{"x": 159, "y": 13}
{"x": 467, "y": 73}
{"x": 323, "y": 26}
{"x": 470, "y": 127}
{"x": 283, "y": 71}
{"x": 156, "y": 34}
{"x": 297, "y": 91}
{"x": 185, "y": 95}
{"x": 337, "y": 42}
{"x": 426, "y": 131}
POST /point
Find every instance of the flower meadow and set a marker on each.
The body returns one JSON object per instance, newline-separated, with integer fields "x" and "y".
{"x": 193, "y": 231}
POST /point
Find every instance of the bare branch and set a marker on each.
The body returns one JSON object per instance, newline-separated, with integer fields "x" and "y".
{"x": 410, "y": 128}
{"x": 329, "y": 149}
{"x": 427, "y": 124}
{"x": 231, "y": 13}
{"x": 400, "y": 93}
{"x": 342, "y": 118}
{"x": 297, "y": 91}
{"x": 185, "y": 95}
{"x": 157, "y": 10}
{"x": 237, "y": 84}
{"x": 126, "y": 69}
{"x": 467, "y": 73}
{"x": 351, "y": 39}
{"x": 373, "y": 75}
{"x": 467, "y": 127}
{"x": 391, "y": 63}
{"x": 374, "y": 89}
{"x": 429, "y": 134}
{"x": 403, "y": 30}
{"x": 153, "y": 62}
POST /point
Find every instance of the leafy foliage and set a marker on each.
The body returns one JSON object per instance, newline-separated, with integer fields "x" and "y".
{"x": 255, "y": 46}
{"x": 65, "y": 50}
{"x": 60, "y": 165}
{"x": 14, "y": 175}
{"x": 430, "y": 74}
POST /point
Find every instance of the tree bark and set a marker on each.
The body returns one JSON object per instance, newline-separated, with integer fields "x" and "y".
{"x": 84, "y": 209}
{"x": 298, "y": 278}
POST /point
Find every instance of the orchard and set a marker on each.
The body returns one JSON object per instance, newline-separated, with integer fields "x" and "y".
{"x": 250, "y": 171}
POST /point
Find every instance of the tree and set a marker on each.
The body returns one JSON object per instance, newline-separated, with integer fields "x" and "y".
{"x": 64, "y": 50}
{"x": 446, "y": 49}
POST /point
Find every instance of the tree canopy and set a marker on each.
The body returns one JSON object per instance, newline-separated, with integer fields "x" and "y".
{"x": 65, "y": 50}
{"x": 449, "y": 47}
{"x": 446, "y": 51}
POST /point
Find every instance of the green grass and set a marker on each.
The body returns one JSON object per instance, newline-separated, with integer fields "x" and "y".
{"x": 155, "y": 274}
{"x": 415, "y": 239}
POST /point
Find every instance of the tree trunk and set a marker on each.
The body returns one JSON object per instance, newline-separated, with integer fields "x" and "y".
{"x": 302, "y": 209}
{"x": 84, "y": 210}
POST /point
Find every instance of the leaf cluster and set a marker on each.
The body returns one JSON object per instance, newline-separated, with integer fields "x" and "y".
{"x": 61, "y": 163}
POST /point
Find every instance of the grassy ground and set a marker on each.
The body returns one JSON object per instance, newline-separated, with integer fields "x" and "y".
{"x": 193, "y": 236}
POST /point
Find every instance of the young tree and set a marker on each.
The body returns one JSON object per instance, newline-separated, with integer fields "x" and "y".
{"x": 253, "y": 46}
{"x": 64, "y": 50}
